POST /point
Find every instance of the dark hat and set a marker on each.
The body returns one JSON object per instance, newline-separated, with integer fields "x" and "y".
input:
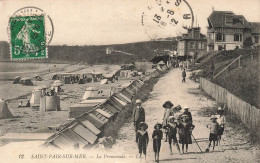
{"x": 178, "y": 107}
{"x": 167, "y": 103}
{"x": 158, "y": 124}
{"x": 143, "y": 124}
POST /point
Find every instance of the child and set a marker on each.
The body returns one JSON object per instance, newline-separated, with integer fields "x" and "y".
{"x": 167, "y": 105}
{"x": 213, "y": 136}
{"x": 142, "y": 138}
{"x": 157, "y": 137}
{"x": 221, "y": 121}
{"x": 185, "y": 132}
{"x": 172, "y": 128}
{"x": 188, "y": 113}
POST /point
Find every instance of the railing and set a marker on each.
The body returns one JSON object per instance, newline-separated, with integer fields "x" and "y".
{"x": 248, "y": 114}
{"x": 238, "y": 58}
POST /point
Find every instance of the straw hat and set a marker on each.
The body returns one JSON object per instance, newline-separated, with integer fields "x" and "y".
{"x": 143, "y": 124}
{"x": 185, "y": 107}
{"x": 220, "y": 109}
{"x": 184, "y": 115}
{"x": 213, "y": 117}
{"x": 158, "y": 124}
{"x": 138, "y": 101}
{"x": 167, "y": 103}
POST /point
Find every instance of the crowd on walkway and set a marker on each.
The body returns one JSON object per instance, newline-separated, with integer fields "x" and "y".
{"x": 176, "y": 127}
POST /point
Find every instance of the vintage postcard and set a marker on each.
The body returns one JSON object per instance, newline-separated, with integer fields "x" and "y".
{"x": 129, "y": 81}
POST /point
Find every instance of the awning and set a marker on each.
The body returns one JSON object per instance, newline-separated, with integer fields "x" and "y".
{"x": 84, "y": 133}
{"x": 74, "y": 137}
{"x": 90, "y": 126}
{"x": 110, "y": 108}
{"x": 104, "y": 113}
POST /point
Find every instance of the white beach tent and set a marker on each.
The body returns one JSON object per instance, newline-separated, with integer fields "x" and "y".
{"x": 36, "y": 96}
{"x": 4, "y": 111}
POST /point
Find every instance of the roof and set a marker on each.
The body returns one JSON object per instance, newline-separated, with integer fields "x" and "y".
{"x": 255, "y": 26}
{"x": 217, "y": 19}
{"x": 161, "y": 63}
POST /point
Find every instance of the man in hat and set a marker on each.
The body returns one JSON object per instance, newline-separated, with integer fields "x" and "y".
{"x": 138, "y": 114}
{"x": 187, "y": 112}
{"x": 167, "y": 113}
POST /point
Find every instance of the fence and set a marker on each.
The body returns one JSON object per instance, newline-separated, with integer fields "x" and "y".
{"x": 247, "y": 113}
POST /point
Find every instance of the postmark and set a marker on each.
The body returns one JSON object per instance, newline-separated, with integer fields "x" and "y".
{"x": 167, "y": 18}
{"x": 30, "y": 30}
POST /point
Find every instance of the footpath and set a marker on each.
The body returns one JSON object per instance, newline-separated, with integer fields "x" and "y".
{"x": 233, "y": 147}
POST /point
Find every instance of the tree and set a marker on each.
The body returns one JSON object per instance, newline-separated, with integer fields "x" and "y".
{"x": 247, "y": 42}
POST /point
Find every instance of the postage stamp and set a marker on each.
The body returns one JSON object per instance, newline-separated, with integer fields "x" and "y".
{"x": 30, "y": 31}
{"x": 167, "y": 18}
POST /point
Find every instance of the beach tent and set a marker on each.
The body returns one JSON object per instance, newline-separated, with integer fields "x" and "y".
{"x": 17, "y": 80}
{"x": 4, "y": 111}
{"x": 57, "y": 83}
{"x": 103, "y": 81}
{"x": 50, "y": 103}
{"x": 26, "y": 81}
{"x": 94, "y": 93}
{"x": 36, "y": 96}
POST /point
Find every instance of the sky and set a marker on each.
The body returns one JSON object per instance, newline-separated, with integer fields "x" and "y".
{"x": 97, "y": 22}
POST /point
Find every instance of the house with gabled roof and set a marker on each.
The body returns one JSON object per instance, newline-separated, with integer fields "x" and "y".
{"x": 192, "y": 44}
{"x": 227, "y": 30}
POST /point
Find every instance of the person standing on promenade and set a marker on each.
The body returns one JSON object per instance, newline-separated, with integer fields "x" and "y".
{"x": 138, "y": 114}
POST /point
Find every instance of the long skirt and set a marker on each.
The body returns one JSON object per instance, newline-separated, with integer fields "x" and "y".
{"x": 185, "y": 139}
{"x": 156, "y": 145}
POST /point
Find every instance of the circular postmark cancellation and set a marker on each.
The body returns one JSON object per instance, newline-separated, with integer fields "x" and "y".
{"x": 167, "y": 18}
{"x": 30, "y": 30}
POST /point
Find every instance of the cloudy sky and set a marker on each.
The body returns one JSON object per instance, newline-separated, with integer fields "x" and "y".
{"x": 95, "y": 22}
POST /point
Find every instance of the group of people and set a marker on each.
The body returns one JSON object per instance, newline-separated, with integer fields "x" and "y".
{"x": 175, "y": 124}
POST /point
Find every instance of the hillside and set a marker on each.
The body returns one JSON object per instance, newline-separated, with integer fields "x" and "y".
{"x": 242, "y": 82}
{"x": 97, "y": 54}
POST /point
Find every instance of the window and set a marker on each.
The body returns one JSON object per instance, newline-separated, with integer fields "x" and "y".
{"x": 228, "y": 18}
{"x": 256, "y": 39}
{"x": 200, "y": 45}
{"x": 237, "y": 37}
{"x": 192, "y": 45}
{"x": 219, "y": 37}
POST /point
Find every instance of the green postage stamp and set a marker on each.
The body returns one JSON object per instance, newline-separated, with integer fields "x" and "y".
{"x": 28, "y": 37}
{"x": 30, "y": 31}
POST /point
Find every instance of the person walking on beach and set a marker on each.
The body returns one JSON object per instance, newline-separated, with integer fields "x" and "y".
{"x": 138, "y": 114}
{"x": 167, "y": 113}
{"x": 183, "y": 75}
{"x": 185, "y": 131}
{"x": 213, "y": 136}
{"x": 157, "y": 137}
{"x": 172, "y": 127}
{"x": 142, "y": 138}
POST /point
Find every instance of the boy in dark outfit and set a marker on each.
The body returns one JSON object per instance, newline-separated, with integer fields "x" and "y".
{"x": 142, "y": 138}
{"x": 172, "y": 127}
{"x": 185, "y": 132}
{"x": 157, "y": 137}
